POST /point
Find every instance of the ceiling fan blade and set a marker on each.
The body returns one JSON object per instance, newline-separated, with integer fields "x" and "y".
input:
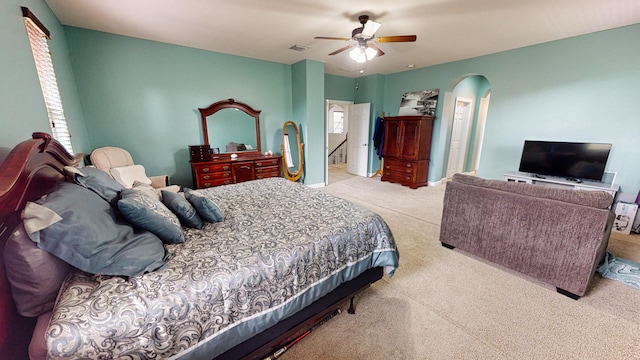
{"x": 397, "y": 38}
{"x": 332, "y": 38}
{"x": 343, "y": 49}
{"x": 380, "y": 52}
{"x": 370, "y": 28}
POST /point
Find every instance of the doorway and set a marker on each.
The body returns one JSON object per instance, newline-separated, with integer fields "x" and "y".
{"x": 458, "y": 147}
{"x": 346, "y": 144}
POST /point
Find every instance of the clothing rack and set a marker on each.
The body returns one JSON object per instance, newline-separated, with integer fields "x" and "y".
{"x": 379, "y": 171}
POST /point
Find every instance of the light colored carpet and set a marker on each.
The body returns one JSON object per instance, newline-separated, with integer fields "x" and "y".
{"x": 444, "y": 304}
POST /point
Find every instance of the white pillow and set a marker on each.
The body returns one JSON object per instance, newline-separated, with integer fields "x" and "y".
{"x": 127, "y": 175}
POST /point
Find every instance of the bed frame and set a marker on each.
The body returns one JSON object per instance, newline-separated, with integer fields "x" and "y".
{"x": 30, "y": 170}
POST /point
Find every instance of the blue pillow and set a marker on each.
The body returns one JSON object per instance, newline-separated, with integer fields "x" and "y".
{"x": 99, "y": 182}
{"x": 148, "y": 213}
{"x": 182, "y": 208}
{"x": 76, "y": 225}
{"x": 206, "y": 208}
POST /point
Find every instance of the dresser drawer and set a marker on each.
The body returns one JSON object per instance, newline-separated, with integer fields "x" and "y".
{"x": 268, "y": 170}
{"x": 406, "y": 167}
{"x": 267, "y": 162}
{"x": 214, "y": 182}
{"x": 214, "y": 176}
{"x": 210, "y": 168}
{"x": 398, "y": 176}
{"x": 271, "y": 171}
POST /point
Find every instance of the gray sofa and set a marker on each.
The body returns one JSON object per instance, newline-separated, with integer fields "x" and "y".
{"x": 557, "y": 236}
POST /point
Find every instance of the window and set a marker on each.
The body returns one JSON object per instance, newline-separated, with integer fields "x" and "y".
{"x": 38, "y": 38}
{"x": 338, "y": 122}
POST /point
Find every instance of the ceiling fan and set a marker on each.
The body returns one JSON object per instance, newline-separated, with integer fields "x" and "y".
{"x": 363, "y": 49}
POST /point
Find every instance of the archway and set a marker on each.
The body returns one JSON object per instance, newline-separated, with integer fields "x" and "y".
{"x": 464, "y": 114}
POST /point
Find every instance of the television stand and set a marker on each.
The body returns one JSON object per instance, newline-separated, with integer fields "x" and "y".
{"x": 560, "y": 182}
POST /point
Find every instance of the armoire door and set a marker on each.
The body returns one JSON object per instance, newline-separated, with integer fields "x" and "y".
{"x": 393, "y": 139}
{"x": 411, "y": 139}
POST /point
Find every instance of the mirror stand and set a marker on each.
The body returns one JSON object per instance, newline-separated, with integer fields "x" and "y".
{"x": 292, "y": 159}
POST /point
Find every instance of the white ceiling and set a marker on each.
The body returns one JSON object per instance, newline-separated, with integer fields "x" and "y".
{"x": 447, "y": 30}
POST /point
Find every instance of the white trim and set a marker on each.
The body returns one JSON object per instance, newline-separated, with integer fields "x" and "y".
{"x": 318, "y": 185}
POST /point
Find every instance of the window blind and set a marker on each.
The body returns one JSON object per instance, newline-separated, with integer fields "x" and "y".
{"x": 38, "y": 38}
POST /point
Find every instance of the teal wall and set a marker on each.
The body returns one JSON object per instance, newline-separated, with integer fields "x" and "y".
{"x": 22, "y": 108}
{"x": 144, "y": 96}
{"x": 339, "y": 87}
{"x": 577, "y": 89}
{"x": 308, "y": 112}
{"x": 370, "y": 89}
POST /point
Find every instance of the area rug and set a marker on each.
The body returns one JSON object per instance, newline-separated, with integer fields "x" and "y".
{"x": 622, "y": 270}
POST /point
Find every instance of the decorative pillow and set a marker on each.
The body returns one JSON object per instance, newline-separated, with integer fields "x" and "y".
{"x": 146, "y": 189}
{"x": 34, "y": 274}
{"x": 206, "y": 208}
{"x": 86, "y": 233}
{"x": 150, "y": 214}
{"x": 97, "y": 181}
{"x": 127, "y": 175}
{"x": 182, "y": 208}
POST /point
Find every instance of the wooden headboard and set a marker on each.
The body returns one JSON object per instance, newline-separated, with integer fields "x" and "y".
{"x": 27, "y": 173}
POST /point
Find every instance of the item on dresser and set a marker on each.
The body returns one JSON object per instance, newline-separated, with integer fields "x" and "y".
{"x": 200, "y": 153}
{"x": 407, "y": 149}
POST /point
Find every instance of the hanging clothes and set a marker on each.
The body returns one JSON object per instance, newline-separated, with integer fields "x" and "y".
{"x": 378, "y": 136}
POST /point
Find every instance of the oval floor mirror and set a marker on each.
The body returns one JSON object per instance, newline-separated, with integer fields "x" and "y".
{"x": 292, "y": 157}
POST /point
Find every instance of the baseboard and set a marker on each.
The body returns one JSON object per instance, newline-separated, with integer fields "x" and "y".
{"x": 318, "y": 185}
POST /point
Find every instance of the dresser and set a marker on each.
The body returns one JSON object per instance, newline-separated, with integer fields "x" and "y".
{"x": 223, "y": 170}
{"x": 406, "y": 149}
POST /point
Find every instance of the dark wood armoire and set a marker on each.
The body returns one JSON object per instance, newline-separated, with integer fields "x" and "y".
{"x": 406, "y": 149}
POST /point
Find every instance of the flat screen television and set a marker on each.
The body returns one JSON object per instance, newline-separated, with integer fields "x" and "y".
{"x": 574, "y": 161}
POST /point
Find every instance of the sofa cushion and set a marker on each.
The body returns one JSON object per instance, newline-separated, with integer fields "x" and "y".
{"x": 595, "y": 199}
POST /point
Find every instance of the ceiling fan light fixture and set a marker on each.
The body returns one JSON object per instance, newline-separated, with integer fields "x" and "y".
{"x": 358, "y": 54}
{"x": 370, "y": 53}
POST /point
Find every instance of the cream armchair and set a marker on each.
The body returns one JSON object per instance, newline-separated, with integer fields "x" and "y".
{"x": 118, "y": 163}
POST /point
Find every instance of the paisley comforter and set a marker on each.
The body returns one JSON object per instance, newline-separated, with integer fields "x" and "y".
{"x": 281, "y": 246}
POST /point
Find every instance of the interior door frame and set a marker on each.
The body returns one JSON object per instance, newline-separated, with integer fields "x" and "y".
{"x": 359, "y": 123}
{"x": 328, "y": 104}
{"x": 465, "y": 132}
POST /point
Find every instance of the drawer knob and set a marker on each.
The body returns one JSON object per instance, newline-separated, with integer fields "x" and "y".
{"x": 206, "y": 177}
{"x": 205, "y": 170}
{"x": 226, "y": 167}
{"x": 258, "y": 164}
{"x": 409, "y": 164}
{"x": 227, "y": 182}
{"x": 226, "y": 175}
{"x": 207, "y": 184}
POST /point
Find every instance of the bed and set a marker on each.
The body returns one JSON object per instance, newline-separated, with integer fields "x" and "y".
{"x": 284, "y": 257}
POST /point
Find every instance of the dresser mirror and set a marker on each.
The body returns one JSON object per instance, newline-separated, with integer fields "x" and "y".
{"x": 231, "y": 126}
{"x": 292, "y": 156}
